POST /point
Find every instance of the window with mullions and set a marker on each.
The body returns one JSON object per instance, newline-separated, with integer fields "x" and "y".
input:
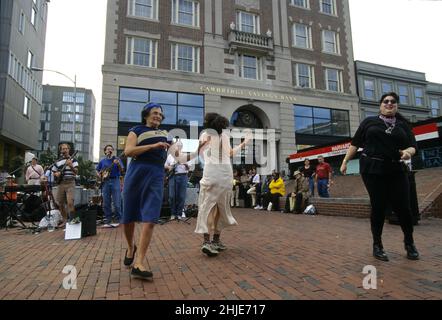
{"x": 300, "y": 3}
{"x": 369, "y": 92}
{"x": 419, "y": 96}
{"x": 321, "y": 121}
{"x": 386, "y": 86}
{"x": 178, "y": 108}
{"x": 328, "y": 6}
{"x": 250, "y": 67}
{"x": 435, "y": 107}
{"x": 185, "y": 58}
{"x": 247, "y": 22}
{"x": 141, "y": 52}
{"x": 144, "y": 8}
{"x": 302, "y": 36}
{"x": 186, "y": 12}
{"x": 403, "y": 94}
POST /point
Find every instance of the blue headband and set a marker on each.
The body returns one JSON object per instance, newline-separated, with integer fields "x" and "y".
{"x": 151, "y": 105}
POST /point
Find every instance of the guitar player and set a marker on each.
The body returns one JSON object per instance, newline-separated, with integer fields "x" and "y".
{"x": 109, "y": 170}
{"x": 65, "y": 170}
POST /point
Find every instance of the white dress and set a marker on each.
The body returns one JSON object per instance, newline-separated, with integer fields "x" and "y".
{"x": 216, "y": 184}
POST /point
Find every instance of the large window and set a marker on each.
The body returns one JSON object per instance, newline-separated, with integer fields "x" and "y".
{"x": 435, "y": 107}
{"x": 185, "y": 58}
{"x": 333, "y": 80}
{"x": 144, "y": 8}
{"x": 419, "y": 97}
{"x": 369, "y": 92}
{"x": 386, "y": 86}
{"x": 321, "y": 121}
{"x": 302, "y": 36}
{"x": 142, "y": 52}
{"x": 247, "y": 22}
{"x": 300, "y": 3}
{"x": 328, "y": 6}
{"x": 69, "y": 97}
{"x": 403, "y": 94}
{"x": 304, "y": 75}
{"x": 330, "y": 42}
{"x": 186, "y": 12}
{"x": 178, "y": 108}
{"x": 250, "y": 67}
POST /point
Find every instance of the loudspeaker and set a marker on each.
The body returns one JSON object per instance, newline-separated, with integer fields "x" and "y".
{"x": 88, "y": 218}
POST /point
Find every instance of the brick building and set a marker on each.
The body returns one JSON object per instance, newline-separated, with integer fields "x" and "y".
{"x": 285, "y": 65}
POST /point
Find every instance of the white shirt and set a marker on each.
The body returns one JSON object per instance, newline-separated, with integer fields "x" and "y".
{"x": 256, "y": 179}
{"x": 180, "y": 168}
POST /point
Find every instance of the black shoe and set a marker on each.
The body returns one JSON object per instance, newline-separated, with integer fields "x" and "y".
{"x": 144, "y": 275}
{"x": 412, "y": 253}
{"x": 129, "y": 261}
{"x": 379, "y": 253}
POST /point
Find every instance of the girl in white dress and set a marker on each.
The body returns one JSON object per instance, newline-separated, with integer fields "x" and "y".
{"x": 216, "y": 185}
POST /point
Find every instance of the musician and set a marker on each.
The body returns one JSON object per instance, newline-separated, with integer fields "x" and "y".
{"x": 65, "y": 170}
{"x": 34, "y": 173}
{"x": 109, "y": 170}
{"x": 178, "y": 178}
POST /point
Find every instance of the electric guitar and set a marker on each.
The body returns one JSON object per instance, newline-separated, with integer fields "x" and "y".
{"x": 59, "y": 179}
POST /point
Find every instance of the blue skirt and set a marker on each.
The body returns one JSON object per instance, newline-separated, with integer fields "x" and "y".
{"x": 143, "y": 193}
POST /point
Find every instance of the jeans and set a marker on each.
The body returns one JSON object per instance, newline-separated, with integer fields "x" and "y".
{"x": 177, "y": 194}
{"x": 112, "y": 193}
{"x": 323, "y": 188}
{"x": 311, "y": 183}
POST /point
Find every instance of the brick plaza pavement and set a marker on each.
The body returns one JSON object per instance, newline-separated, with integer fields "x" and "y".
{"x": 270, "y": 256}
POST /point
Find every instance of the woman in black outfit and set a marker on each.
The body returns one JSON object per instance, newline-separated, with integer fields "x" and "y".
{"x": 387, "y": 139}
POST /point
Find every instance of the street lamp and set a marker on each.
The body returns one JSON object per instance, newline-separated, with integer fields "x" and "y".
{"x": 74, "y": 81}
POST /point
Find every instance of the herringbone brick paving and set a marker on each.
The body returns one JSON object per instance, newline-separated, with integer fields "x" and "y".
{"x": 269, "y": 256}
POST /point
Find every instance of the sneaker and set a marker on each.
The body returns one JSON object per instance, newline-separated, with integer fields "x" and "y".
{"x": 75, "y": 220}
{"x": 219, "y": 246}
{"x": 208, "y": 249}
{"x": 115, "y": 225}
{"x": 172, "y": 218}
{"x": 107, "y": 225}
{"x": 257, "y": 208}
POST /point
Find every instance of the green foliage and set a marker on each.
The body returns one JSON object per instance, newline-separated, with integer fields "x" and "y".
{"x": 86, "y": 170}
{"x": 47, "y": 158}
{"x": 18, "y": 162}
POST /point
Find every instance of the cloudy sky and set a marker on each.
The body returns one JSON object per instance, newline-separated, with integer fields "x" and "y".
{"x": 399, "y": 33}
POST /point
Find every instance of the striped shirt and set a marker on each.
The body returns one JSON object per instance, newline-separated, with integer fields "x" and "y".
{"x": 147, "y": 136}
{"x": 68, "y": 174}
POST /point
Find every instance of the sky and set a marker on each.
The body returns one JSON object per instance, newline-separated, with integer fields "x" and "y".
{"x": 399, "y": 33}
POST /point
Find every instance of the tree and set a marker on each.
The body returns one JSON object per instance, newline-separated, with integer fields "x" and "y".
{"x": 17, "y": 163}
{"x": 86, "y": 170}
{"x": 47, "y": 158}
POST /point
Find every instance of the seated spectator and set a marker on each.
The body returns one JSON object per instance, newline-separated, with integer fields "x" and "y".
{"x": 297, "y": 200}
{"x": 277, "y": 190}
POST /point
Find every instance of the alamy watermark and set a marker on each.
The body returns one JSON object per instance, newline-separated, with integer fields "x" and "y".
{"x": 70, "y": 281}
{"x": 370, "y": 281}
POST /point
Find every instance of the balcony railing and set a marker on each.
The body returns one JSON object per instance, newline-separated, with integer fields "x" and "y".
{"x": 240, "y": 39}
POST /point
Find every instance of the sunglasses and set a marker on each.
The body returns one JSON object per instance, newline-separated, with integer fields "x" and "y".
{"x": 387, "y": 101}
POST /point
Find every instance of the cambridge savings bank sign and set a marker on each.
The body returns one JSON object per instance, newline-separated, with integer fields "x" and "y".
{"x": 251, "y": 94}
